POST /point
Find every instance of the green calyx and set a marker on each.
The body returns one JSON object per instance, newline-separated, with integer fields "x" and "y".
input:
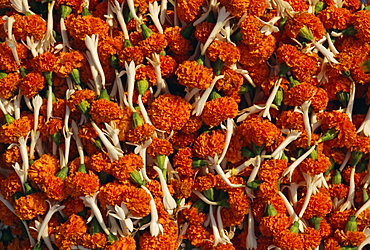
{"x": 350, "y": 31}
{"x": 65, "y": 10}
{"x": 343, "y": 98}
{"x": 84, "y": 107}
{"x": 23, "y": 72}
{"x": 56, "y": 138}
{"x": 209, "y": 194}
{"x": 329, "y": 135}
{"x": 356, "y": 157}
{"x": 200, "y": 60}
{"x": 254, "y": 184}
{"x": 127, "y": 43}
{"x": 160, "y": 161}
{"x": 136, "y": 120}
{"x": 319, "y": 7}
{"x": 82, "y": 168}
{"x": 114, "y": 62}
{"x": 283, "y": 69}
{"x": 337, "y": 178}
{"x": 187, "y": 31}
{"x": 279, "y": 97}
{"x": 198, "y": 163}
{"x": 104, "y": 95}
{"x": 62, "y": 174}
{"x": 294, "y": 228}
{"x": 214, "y": 95}
{"x": 351, "y": 225}
{"x": 146, "y": 31}
{"x": 305, "y": 33}
{"x": 8, "y": 118}
{"x": 135, "y": 176}
{"x": 271, "y": 211}
{"x": 75, "y": 75}
{"x": 95, "y": 227}
{"x": 49, "y": 77}
{"x": 218, "y": 66}
{"x": 3, "y": 74}
{"x": 293, "y": 82}
{"x": 313, "y": 155}
{"x": 85, "y": 12}
{"x": 142, "y": 86}
{"x": 315, "y": 221}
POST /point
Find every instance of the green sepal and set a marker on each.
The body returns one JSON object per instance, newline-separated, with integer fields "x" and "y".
{"x": 329, "y": 135}
{"x": 84, "y": 107}
{"x": 146, "y": 31}
{"x": 56, "y": 138}
{"x": 209, "y": 194}
{"x": 127, "y": 43}
{"x": 356, "y": 157}
{"x": 62, "y": 174}
{"x": 365, "y": 196}
{"x": 343, "y": 98}
{"x": 136, "y": 177}
{"x": 200, "y": 60}
{"x": 346, "y": 74}
{"x": 49, "y": 77}
{"x": 350, "y": 31}
{"x": 75, "y": 75}
{"x": 245, "y": 88}
{"x": 293, "y": 82}
{"x": 351, "y": 225}
{"x": 246, "y": 152}
{"x": 23, "y": 72}
{"x": 313, "y": 155}
{"x": 337, "y": 178}
{"x": 6, "y": 235}
{"x": 279, "y": 97}
{"x": 198, "y": 163}
{"x": 37, "y": 246}
{"x": 114, "y": 62}
{"x": 142, "y": 86}
{"x": 144, "y": 220}
{"x": 315, "y": 221}
{"x": 237, "y": 36}
{"x": 28, "y": 13}
{"x": 187, "y": 31}
{"x": 300, "y": 152}
{"x": 9, "y": 119}
{"x": 65, "y": 10}
{"x": 3, "y": 74}
{"x": 82, "y": 168}
{"x": 319, "y": 7}
{"x": 95, "y": 227}
{"x": 136, "y": 120}
{"x": 305, "y": 33}
{"x": 17, "y": 195}
{"x": 284, "y": 157}
{"x": 85, "y": 12}
{"x": 254, "y": 184}
{"x": 112, "y": 238}
{"x": 282, "y": 23}
{"x": 283, "y": 69}
{"x": 199, "y": 205}
{"x": 270, "y": 210}
{"x": 294, "y": 228}
{"x": 104, "y": 95}
{"x": 257, "y": 149}
{"x": 361, "y": 167}
{"x": 214, "y": 95}
{"x": 211, "y": 17}
{"x": 98, "y": 144}
{"x": 127, "y": 15}
{"x": 28, "y": 189}
{"x": 160, "y": 161}
{"x": 218, "y": 66}
{"x": 223, "y": 203}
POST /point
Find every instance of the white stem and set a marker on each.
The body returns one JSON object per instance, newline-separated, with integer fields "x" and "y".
{"x": 363, "y": 208}
{"x": 131, "y": 72}
{"x": 155, "y": 226}
{"x": 117, "y": 9}
{"x": 229, "y": 134}
{"x": 365, "y": 126}
{"x": 295, "y": 164}
{"x": 305, "y": 107}
{"x": 351, "y": 100}
{"x": 78, "y": 142}
{"x": 266, "y": 112}
{"x": 131, "y": 6}
{"x": 251, "y": 238}
{"x": 168, "y": 201}
{"x": 154, "y": 10}
{"x": 17, "y": 106}
{"x": 43, "y": 231}
{"x": 49, "y": 107}
{"x": 92, "y": 45}
{"x": 63, "y": 31}
{"x": 293, "y": 135}
{"x": 351, "y": 192}
{"x": 346, "y": 159}
{"x": 203, "y": 198}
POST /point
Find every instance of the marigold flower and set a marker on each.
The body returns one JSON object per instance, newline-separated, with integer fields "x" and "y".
{"x": 127, "y": 243}
{"x": 124, "y": 166}
{"x": 9, "y": 157}
{"x": 6, "y": 216}
{"x": 168, "y": 66}
{"x": 273, "y": 225}
{"x": 67, "y": 233}
{"x": 67, "y": 61}
{"x": 290, "y": 120}
{"x": 176, "y": 42}
{"x": 72, "y": 206}
{"x": 129, "y": 54}
{"x": 53, "y": 187}
{"x": 146, "y": 72}
{"x": 335, "y": 18}
{"x": 27, "y": 26}
{"x": 31, "y": 84}
{"x": 159, "y": 147}
{"x": 360, "y": 21}
{"x": 137, "y": 201}
{"x": 82, "y": 184}
{"x": 203, "y": 31}
{"x": 192, "y": 125}
{"x": 315, "y": 166}
{"x": 183, "y": 188}
{"x": 168, "y": 238}
{"x": 194, "y": 75}
{"x": 205, "y": 182}
{"x": 188, "y": 11}
{"x": 140, "y": 133}
{"x": 320, "y": 205}
{"x": 349, "y": 238}
{"x": 44, "y": 62}
{"x": 11, "y": 185}
{"x": 169, "y": 112}
{"x": 80, "y": 26}
{"x": 218, "y": 110}
{"x": 226, "y": 52}
{"x": 7, "y": 62}
{"x": 183, "y": 163}
{"x": 29, "y": 206}
{"x": 9, "y": 85}
{"x": 181, "y": 139}
{"x": 44, "y": 166}
{"x": 197, "y": 234}
{"x": 103, "y": 111}
{"x": 294, "y": 25}
{"x": 338, "y": 219}
{"x": 287, "y": 240}
{"x": 332, "y": 244}
{"x": 208, "y": 144}
{"x": 156, "y": 43}
{"x": 339, "y": 191}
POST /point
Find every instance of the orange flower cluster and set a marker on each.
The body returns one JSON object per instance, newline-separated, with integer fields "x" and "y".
{"x": 198, "y": 124}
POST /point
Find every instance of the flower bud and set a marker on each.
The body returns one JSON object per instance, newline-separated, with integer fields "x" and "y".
{"x": 351, "y": 225}
{"x": 306, "y": 33}
{"x": 146, "y": 31}
{"x": 62, "y": 174}
{"x": 271, "y": 211}
{"x": 75, "y": 75}
{"x": 65, "y": 11}
{"x": 142, "y": 86}
{"x": 137, "y": 120}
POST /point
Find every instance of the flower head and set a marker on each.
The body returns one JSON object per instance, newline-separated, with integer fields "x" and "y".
{"x": 29, "y": 206}
{"x": 194, "y": 75}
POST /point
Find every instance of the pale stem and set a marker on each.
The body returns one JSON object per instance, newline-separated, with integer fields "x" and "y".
{"x": 251, "y": 238}
{"x": 365, "y": 125}
{"x": 143, "y": 110}
{"x": 229, "y": 134}
{"x": 37, "y": 103}
{"x": 295, "y": 164}
{"x": 183, "y": 228}
{"x": 246, "y": 75}
{"x": 91, "y": 202}
{"x": 163, "y": 12}
{"x": 364, "y": 243}
{"x": 63, "y": 31}
{"x": 288, "y": 206}
{"x": 221, "y": 226}
{"x": 244, "y": 165}
{"x": 243, "y": 114}
{"x": 327, "y": 53}
{"x": 351, "y": 192}
{"x": 95, "y": 74}
{"x": 17, "y": 106}
{"x": 351, "y": 100}
{"x": 113, "y": 152}
{"x": 212, "y": 4}
{"x": 131, "y": 6}
{"x": 215, "y": 231}
{"x": 221, "y": 19}
{"x": 282, "y": 7}
{"x": 92, "y": 45}
{"x": 191, "y": 93}
{"x": 24, "y": 154}
{"x": 113, "y": 132}
{"x": 130, "y": 71}
{"x": 67, "y": 143}
{"x": 203, "y": 198}
{"x": 266, "y": 112}
{"x": 48, "y": 39}
{"x": 309, "y": 192}
{"x": 346, "y": 159}
{"x": 256, "y": 167}
{"x": 199, "y": 106}
{"x": 121, "y": 92}
{"x": 322, "y": 77}
{"x": 293, "y": 135}
{"x": 35, "y": 136}
{"x": 366, "y": 180}
{"x": 221, "y": 173}
{"x": 156, "y": 63}
{"x": 168, "y": 201}
{"x": 117, "y": 9}
{"x": 12, "y": 44}
{"x": 78, "y": 142}
{"x": 49, "y": 107}
{"x": 363, "y": 208}
{"x": 155, "y": 226}
{"x": 331, "y": 44}
{"x": 305, "y": 107}
{"x": 155, "y": 10}
{"x": 44, "y": 231}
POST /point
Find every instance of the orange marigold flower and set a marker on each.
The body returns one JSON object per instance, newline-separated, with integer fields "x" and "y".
{"x": 259, "y": 131}
{"x": 218, "y": 110}
{"x": 95, "y": 241}
{"x": 10, "y": 186}
{"x": 290, "y": 120}
{"x": 103, "y": 111}
{"x": 192, "y": 125}
{"x": 315, "y": 167}
{"x": 271, "y": 170}
{"x": 273, "y": 225}
{"x": 67, "y": 61}
{"x": 44, "y": 166}
{"x": 80, "y": 26}
{"x": 168, "y": 238}
{"x": 6, "y": 216}
{"x": 7, "y": 62}
{"x": 361, "y": 144}
{"x": 75, "y": 4}
{"x": 250, "y": 29}
{"x": 129, "y": 54}
{"x": 194, "y": 75}
{"x": 100, "y": 162}
{"x": 177, "y": 43}
{"x": 146, "y": 72}
{"x": 205, "y": 182}
{"x": 110, "y": 46}
{"x": 53, "y": 187}
{"x": 29, "y": 206}
{"x": 183, "y": 163}
{"x": 29, "y": 25}
{"x": 312, "y": 238}
{"x": 140, "y": 133}
{"x": 349, "y": 238}
{"x": 183, "y": 188}
{"x": 197, "y": 235}
{"x": 67, "y": 233}
{"x": 168, "y": 66}
{"x": 137, "y": 201}
{"x": 127, "y": 243}
{"x": 258, "y": 52}
{"x": 73, "y": 205}
{"x": 338, "y": 219}
{"x": 9, "y": 85}
{"x": 258, "y": 72}
{"x": 339, "y": 191}
{"x": 363, "y": 220}
{"x": 110, "y": 193}
{"x": 9, "y": 157}
{"x": 44, "y": 62}
{"x": 193, "y": 216}
{"x": 298, "y": 5}
{"x": 203, "y": 30}
{"x": 209, "y": 144}
{"x": 188, "y": 11}
{"x": 156, "y": 43}
{"x": 81, "y": 184}
{"x": 31, "y": 84}
{"x": 332, "y": 244}
{"x": 294, "y": 25}
{"x": 10, "y": 133}
{"x": 320, "y": 205}
{"x": 335, "y": 18}
{"x": 360, "y": 21}
{"x": 79, "y": 96}
{"x": 180, "y": 139}
{"x": 169, "y": 112}
{"x": 125, "y": 165}
{"x": 287, "y": 240}
{"x": 226, "y": 52}
{"x": 230, "y": 84}
{"x": 159, "y": 147}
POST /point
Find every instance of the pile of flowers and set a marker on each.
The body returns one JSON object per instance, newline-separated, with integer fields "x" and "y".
{"x": 188, "y": 124}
